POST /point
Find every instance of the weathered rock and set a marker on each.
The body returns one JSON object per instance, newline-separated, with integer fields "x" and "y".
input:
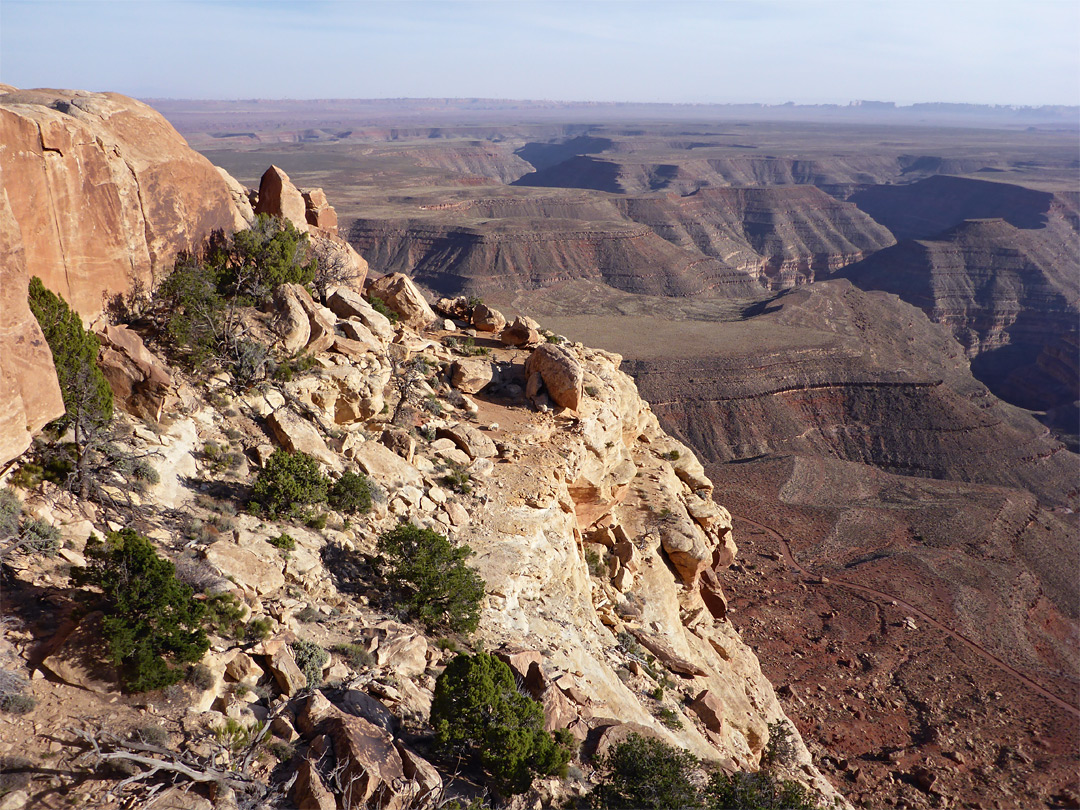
{"x": 244, "y": 567}
{"x": 561, "y": 373}
{"x": 405, "y": 654}
{"x": 400, "y": 441}
{"x": 471, "y": 374}
{"x": 29, "y": 391}
{"x": 399, "y": 293}
{"x": 278, "y": 197}
{"x": 348, "y": 303}
{"x": 667, "y": 656}
{"x": 356, "y": 331}
{"x": 176, "y": 798}
{"x": 712, "y": 594}
{"x": 244, "y": 669}
{"x": 78, "y": 656}
{"x": 300, "y": 436}
{"x": 710, "y": 709}
{"x": 318, "y": 212}
{"x": 385, "y": 466}
{"x": 522, "y": 332}
{"x": 616, "y": 733}
{"x": 105, "y": 192}
{"x": 309, "y": 792}
{"x": 140, "y": 382}
{"x": 487, "y": 319}
{"x": 419, "y": 770}
{"x": 372, "y": 764}
{"x": 241, "y": 199}
{"x": 290, "y": 679}
{"x": 291, "y": 321}
{"x": 471, "y": 441}
{"x": 361, "y": 704}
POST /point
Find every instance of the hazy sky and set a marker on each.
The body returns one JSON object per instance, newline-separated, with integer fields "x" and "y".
{"x": 981, "y": 51}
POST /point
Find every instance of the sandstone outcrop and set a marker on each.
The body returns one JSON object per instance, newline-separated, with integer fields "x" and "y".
{"x": 141, "y": 383}
{"x": 318, "y": 212}
{"x": 29, "y": 392}
{"x": 278, "y": 197}
{"x": 110, "y": 175}
{"x": 399, "y": 293}
{"x": 560, "y": 372}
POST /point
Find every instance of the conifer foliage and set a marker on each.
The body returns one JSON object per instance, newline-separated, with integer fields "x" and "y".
{"x": 152, "y": 621}
{"x": 479, "y": 714}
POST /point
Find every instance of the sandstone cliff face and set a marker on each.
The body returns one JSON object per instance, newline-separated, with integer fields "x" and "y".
{"x": 104, "y": 191}
{"x": 29, "y": 392}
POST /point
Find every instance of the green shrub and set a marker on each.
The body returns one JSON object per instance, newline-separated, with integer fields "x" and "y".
{"x": 287, "y": 482}
{"x": 757, "y": 791}
{"x": 151, "y": 618}
{"x": 311, "y": 658}
{"x": 258, "y": 630}
{"x": 478, "y": 713}
{"x": 225, "y": 614}
{"x": 780, "y": 748}
{"x": 270, "y": 252}
{"x": 458, "y": 479}
{"x": 201, "y": 677}
{"x": 380, "y": 306}
{"x": 356, "y": 656}
{"x": 645, "y": 773}
{"x": 283, "y": 542}
{"x": 88, "y": 399}
{"x": 10, "y": 513}
{"x": 428, "y": 578}
{"x": 669, "y": 717}
{"x": 350, "y": 494}
{"x": 13, "y": 697}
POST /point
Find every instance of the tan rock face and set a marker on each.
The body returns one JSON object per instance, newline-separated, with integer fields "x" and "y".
{"x": 29, "y": 392}
{"x": 104, "y": 191}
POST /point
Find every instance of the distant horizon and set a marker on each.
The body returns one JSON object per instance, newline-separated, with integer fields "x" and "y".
{"x": 1010, "y": 53}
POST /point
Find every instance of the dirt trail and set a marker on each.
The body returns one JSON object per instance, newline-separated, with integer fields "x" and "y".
{"x": 785, "y": 550}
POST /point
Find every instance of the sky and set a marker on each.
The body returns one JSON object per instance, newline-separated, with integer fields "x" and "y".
{"x": 705, "y": 51}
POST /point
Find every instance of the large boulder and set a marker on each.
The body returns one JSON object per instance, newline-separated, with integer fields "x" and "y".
{"x": 298, "y": 435}
{"x": 278, "y": 197}
{"x": 399, "y": 293}
{"x": 244, "y": 567}
{"x": 470, "y": 440}
{"x": 241, "y": 199}
{"x": 348, "y": 303}
{"x": 140, "y": 382}
{"x": 471, "y": 374}
{"x": 522, "y": 332}
{"x": 29, "y": 392}
{"x": 301, "y": 323}
{"x": 561, "y": 374}
{"x": 105, "y": 192}
{"x": 318, "y": 212}
{"x": 487, "y": 319}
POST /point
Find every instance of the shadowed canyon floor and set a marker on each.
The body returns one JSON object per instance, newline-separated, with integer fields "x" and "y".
{"x": 908, "y": 539}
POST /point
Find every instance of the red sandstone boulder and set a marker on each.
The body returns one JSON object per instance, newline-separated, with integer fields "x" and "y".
{"x": 140, "y": 382}
{"x": 399, "y": 293}
{"x": 318, "y": 212}
{"x": 278, "y": 197}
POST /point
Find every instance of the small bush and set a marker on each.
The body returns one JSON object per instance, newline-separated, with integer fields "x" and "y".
{"x": 311, "y": 658}
{"x": 780, "y": 748}
{"x": 225, "y": 614}
{"x": 152, "y": 619}
{"x": 13, "y": 697}
{"x": 380, "y": 306}
{"x": 309, "y": 614}
{"x": 351, "y": 494}
{"x": 757, "y": 791}
{"x": 288, "y": 482}
{"x": 478, "y": 713}
{"x": 281, "y": 750}
{"x": 151, "y": 735}
{"x": 283, "y": 542}
{"x": 429, "y": 579}
{"x": 459, "y": 480}
{"x": 669, "y": 717}
{"x": 597, "y": 565}
{"x": 355, "y": 656}
{"x": 592, "y": 390}
{"x": 258, "y": 630}
{"x": 201, "y": 677}
{"x": 645, "y": 773}
{"x": 10, "y": 512}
